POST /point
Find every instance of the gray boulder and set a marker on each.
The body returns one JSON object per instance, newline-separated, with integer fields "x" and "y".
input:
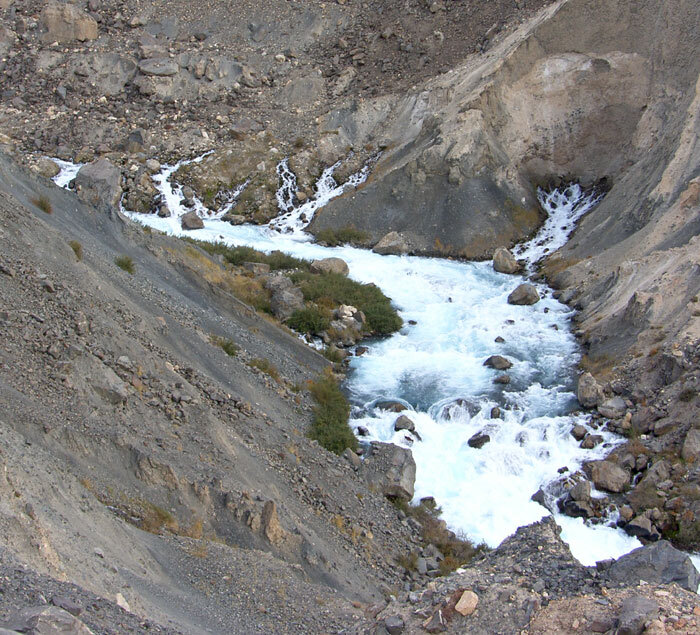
{"x": 614, "y": 408}
{"x": 160, "y": 67}
{"x": 607, "y": 476}
{"x": 404, "y": 423}
{"x": 285, "y": 301}
{"x": 391, "y": 470}
{"x": 504, "y": 261}
{"x": 99, "y": 184}
{"x": 524, "y": 294}
{"x": 691, "y": 446}
{"x": 191, "y": 221}
{"x": 636, "y": 612}
{"x": 392, "y": 243}
{"x": 589, "y": 392}
{"x": 657, "y": 563}
{"x": 47, "y": 620}
{"x": 330, "y": 265}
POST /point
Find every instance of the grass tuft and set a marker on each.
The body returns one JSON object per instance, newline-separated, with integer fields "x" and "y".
{"x": 342, "y": 236}
{"x": 330, "y": 423}
{"x": 77, "y": 249}
{"x": 227, "y": 345}
{"x": 43, "y": 203}
{"x": 126, "y": 263}
{"x": 267, "y": 367}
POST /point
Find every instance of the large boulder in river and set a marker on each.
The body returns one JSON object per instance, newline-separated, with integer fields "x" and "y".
{"x": 392, "y": 243}
{"x": 657, "y": 563}
{"x": 191, "y": 221}
{"x": 330, "y": 265}
{"x": 498, "y": 362}
{"x": 391, "y": 470}
{"x": 99, "y": 184}
{"x": 606, "y": 475}
{"x": 524, "y": 294}
{"x": 65, "y": 22}
{"x": 504, "y": 261}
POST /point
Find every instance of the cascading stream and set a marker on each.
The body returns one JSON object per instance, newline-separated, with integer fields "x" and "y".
{"x": 453, "y": 313}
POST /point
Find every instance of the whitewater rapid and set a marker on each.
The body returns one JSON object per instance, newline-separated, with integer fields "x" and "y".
{"x": 453, "y": 312}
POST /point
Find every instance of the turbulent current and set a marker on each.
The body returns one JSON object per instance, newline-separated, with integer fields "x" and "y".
{"x": 453, "y": 313}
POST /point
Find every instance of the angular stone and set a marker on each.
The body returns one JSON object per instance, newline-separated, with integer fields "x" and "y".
{"x": 691, "y": 446}
{"x": 190, "y": 221}
{"x": 479, "y": 440}
{"x": 579, "y": 432}
{"x": 330, "y": 265}
{"x": 394, "y": 624}
{"x": 642, "y": 527}
{"x": 524, "y": 294}
{"x": 467, "y": 604}
{"x": 284, "y": 302}
{"x": 159, "y": 67}
{"x": 591, "y": 441}
{"x": 99, "y": 184}
{"x": 581, "y": 491}
{"x": 392, "y": 243}
{"x": 606, "y": 475}
{"x": 404, "y": 423}
{"x": 636, "y": 612}
{"x": 589, "y": 392}
{"x": 614, "y": 408}
{"x": 391, "y": 469}
{"x": 47, "y": 620}
{"x": 504, "y": 261}
{"x": 656, "y": 563}
{"x": 66, "y": 22}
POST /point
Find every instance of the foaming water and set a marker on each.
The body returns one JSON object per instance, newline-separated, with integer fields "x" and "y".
{"x": 453, "y": 313}
{"x": 68, "y": 171}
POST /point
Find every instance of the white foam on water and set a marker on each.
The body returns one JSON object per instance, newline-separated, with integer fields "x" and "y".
{"x": 68, "y": 172}
{"x": 459, "y": 310}
{"x": 565, "y": 207}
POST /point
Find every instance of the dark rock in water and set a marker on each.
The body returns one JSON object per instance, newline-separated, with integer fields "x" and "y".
{"x": 502, "y": 379}
{"x": 499, "y": 340}
{"x": 412, "y": 322}
{"x": 642, "y": 528}
{"x": 504, "y": 261}
{"x": 404, "y": 423}
{"x": 362, "y": 431}
{"x": 360, "y": 350}
{"x": 636, "y": 612}
{"x": 458, "y": 407}
{"x": 657, "y": 563}
{"x": 591, "y": 441}
{"x": 495, "y": 412}
{"x": 498, "y": 362}
{"x": 391, "y": 406}
{"x": 579, "y": 432}
{"x": 330, "y": 265}
{"x": 524, "y": 294}
{"x": 191, "y": 221}
{"x": 576, "y": 509}
{"x": 539, "y": 497}
{"x": 479, "y": 440}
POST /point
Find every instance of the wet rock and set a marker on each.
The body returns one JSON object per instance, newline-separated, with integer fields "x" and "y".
{"x": 657, "y": 563}
{"x": 502, "y": 379}
{"x": 404, "y": 423}
{"x": 524, "y": 294}
{"x": 190, "y": 221}
{"x": 392, "y": 243}
{"x": 504, "y": 261}
{"x": 479, "y": 440}
{"x": 66, "y": 23}
{"x": 589, "y": 392}
{"x": 391, "y": 406}
{"x": 581, "y": 491}
{"x": 691, "y": 446}
{"x": 635, "y": 613}
{"x": 498, "y": 362}
{"x": 606, "y": 475}
{"x": 614, "y": 408}
{"x": 591, "y": 441}
{"x": 99, "y": 184}
{"x": 579, "y": 432}
{"x": 391, "y": 469}
{"x": 495, "y": 412}
{"x": 330, "y": 265}
{"x": 642, "y": 527}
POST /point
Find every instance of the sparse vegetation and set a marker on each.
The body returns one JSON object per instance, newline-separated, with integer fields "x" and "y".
{"x": 126, "y": 263}
{"x": 457, "y": 548}
{"x": 330, "y": 424}
{"x": 267, "y": 367}
{"x": 342, "y": 236}
{"x": 227, "y": 345}
{"x": 382, "y": 318}
{"x": 312, "y": 319}
{"x": 238, "y": 255}
{"x": 77, "y": 249}
{"x": 43, "y": 203}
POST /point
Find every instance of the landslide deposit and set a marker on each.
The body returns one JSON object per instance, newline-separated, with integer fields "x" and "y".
{"x": 155, "y": 469}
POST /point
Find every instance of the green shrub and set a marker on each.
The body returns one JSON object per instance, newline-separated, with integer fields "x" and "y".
{"x": 228, "y": 346}
{"x": 332, "y": 354}
{"x": 330, "y": 423}
{"x": 342, "y": 236}
{"x": 368, "y": 298}
{"x": 77, "y": 249}
{"x": 126, "y": 263}
{"x": 43, "y": 203}
{"x": 238, "y": 255}
{"x": 267, "y": 367}
{"x": 311, "y": 319}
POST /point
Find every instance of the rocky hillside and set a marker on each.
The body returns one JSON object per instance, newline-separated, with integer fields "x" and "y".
{"x": 156, "y": 473}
